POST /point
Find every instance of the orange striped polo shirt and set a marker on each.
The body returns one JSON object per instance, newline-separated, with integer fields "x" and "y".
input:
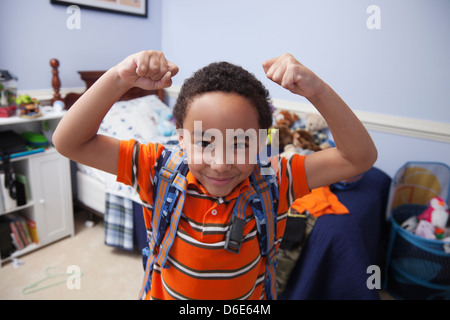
{"x": 200, "y": 267}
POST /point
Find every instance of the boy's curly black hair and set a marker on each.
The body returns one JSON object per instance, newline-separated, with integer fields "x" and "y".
{"x": 224, "y": 77}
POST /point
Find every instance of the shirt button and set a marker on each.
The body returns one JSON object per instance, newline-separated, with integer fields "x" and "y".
{"x": 214, "y": 212}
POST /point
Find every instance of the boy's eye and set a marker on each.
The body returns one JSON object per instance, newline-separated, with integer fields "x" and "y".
{"x": 203, "y": 143}
{"x": 242, "y": 145}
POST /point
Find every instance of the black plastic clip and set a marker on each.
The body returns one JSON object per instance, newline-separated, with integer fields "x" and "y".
{"x": 235, "y": 235}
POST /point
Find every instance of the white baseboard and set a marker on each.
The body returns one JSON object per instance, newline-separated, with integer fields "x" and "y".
{"x": 417, "y": 128}
{"x": 47, "y": 94}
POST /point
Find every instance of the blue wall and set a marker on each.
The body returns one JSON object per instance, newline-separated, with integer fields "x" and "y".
{"x": 401, "y": 69}
{"x": 34, "y": 31}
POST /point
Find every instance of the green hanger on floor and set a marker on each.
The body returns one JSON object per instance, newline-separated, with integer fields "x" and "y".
{"x": 50, "y": 276}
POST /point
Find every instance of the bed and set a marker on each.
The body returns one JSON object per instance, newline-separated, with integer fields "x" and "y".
{"x": 336, "y": 262}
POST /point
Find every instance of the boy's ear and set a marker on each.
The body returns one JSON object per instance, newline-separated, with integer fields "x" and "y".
{"x": 180, "y": 137}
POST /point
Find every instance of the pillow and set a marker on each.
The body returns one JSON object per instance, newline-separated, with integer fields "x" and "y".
{"x": 135, "y": 119}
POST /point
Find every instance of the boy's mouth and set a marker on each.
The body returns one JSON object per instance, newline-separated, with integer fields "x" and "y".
{"x": 219, "y": 181}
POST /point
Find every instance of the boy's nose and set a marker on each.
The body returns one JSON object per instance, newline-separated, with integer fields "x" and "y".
{"x": 220, "y": 165}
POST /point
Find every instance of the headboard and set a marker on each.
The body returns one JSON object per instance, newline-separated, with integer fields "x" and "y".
{"x": 89, "y": 77}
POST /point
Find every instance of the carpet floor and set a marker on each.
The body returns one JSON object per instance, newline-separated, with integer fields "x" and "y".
{"x": 100, "y": 272}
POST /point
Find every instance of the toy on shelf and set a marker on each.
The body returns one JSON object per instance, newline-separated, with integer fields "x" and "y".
{"x": 29, "y": 107}
{"x": 6, "y": 112}
{"x": 8, "y": 89}
{"x": 35, "y": 140}
{"x": 6, "y": 107}
{"x": 58, "y": 105}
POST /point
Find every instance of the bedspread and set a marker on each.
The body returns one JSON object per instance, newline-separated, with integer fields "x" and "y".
{"x": 334, "y": 261}
{"x": 124, "y": 223}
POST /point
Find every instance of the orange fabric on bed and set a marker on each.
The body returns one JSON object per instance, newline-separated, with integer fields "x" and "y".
{"x": 319, "y": 202}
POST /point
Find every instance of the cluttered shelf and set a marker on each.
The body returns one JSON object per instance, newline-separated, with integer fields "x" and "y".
{"x": 47, "y": 114}
{"x": 26, "y": 136}
{"x": 35, "y": 191}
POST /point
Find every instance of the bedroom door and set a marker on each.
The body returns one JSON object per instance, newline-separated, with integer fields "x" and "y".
{"x": 52, "y": 195}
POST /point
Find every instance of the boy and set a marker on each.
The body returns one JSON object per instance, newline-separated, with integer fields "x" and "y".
{"x": 217, "y": 98}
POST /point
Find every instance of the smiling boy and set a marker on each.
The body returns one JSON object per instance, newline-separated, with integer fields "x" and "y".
{"x": 220, "y": 97}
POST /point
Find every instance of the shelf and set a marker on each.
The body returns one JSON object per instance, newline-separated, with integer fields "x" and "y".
{"x": 33, "y": 154}
{"x": 29, "y": 204}
{"x": 47, "y": 114}
{"x": 28, "y": 248}
{"x": 31, "y": 247}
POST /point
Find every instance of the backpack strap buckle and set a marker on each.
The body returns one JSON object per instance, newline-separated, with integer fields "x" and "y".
{"x": 261, "y": 186}
{"x": 167, "y": 174}
{"x": 235, "y": 235}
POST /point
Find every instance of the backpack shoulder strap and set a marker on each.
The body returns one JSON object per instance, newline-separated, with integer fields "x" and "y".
{"x": 171, "y": 185}
{"x": 265, "y": 205}
{"x": 169, "y": 192}
{"x": 265, "y": 209}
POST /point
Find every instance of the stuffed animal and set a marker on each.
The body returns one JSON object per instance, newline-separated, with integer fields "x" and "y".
{"x": 425, "y": 230}
{"x": 285, "y": 118}
{"x": 317, "y": 125}
{"x": 302, "y": 143}
{"x": 304, "y": 139}
{"x": 436, "y": 213}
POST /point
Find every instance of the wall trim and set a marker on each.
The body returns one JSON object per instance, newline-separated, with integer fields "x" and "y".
{"x": 417, "y": 128}
{"x": 45, "y": 95}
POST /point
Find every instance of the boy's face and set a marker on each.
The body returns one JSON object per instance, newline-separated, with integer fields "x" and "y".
{"x": 220, "y": 137}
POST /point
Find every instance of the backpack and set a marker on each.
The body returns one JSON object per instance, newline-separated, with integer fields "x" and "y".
{"x": 169, "y": 193}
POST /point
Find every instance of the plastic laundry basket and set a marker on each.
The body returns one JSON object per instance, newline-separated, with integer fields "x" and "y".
{"x": 416, "y": 268}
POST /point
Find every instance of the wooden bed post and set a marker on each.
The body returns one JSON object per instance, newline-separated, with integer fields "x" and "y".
{"x": 89, "y": 77}
{"x": 56, "y": 83}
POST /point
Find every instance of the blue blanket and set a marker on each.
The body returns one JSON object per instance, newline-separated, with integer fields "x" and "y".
{"x": 334, "y": 262}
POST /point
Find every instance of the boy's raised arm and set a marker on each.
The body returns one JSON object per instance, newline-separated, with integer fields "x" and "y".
{"x": 355, "y": 151}
{"x": 76, "y": 135}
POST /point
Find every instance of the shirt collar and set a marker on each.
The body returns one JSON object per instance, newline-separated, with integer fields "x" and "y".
{"x": 193, "y": 183}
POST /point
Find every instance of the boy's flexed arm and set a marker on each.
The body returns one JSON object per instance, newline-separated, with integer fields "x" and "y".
{"x": 355, "y": 151}
{"x": 76, "y": 135}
